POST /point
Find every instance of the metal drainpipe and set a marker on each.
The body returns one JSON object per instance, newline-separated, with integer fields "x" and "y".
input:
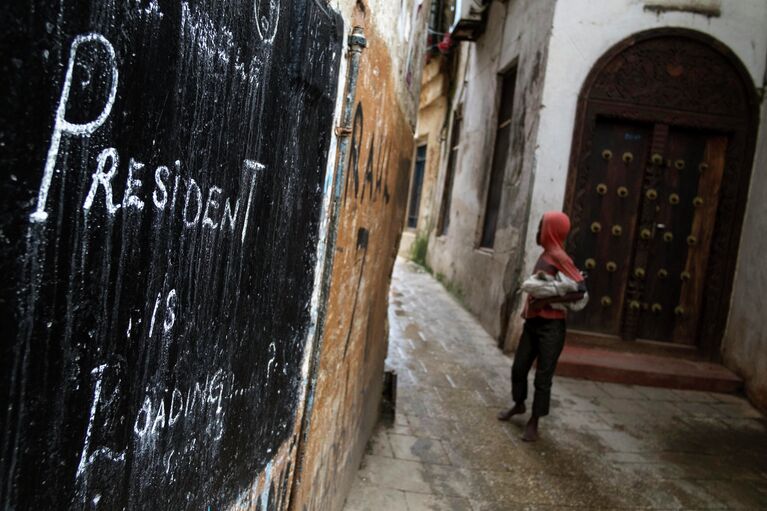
{"x": 357, "y": 43}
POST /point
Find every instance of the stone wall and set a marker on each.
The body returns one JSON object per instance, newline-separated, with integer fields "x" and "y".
{"x": 373, "y": 198}
{"x": 517, "y": 35}
{"x": 745, "y": 340}
{"x": 431, "y": 128}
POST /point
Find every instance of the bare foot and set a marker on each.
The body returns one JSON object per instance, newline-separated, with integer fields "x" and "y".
{"x": 517, "y": 409}
{"x": 531, "y": 430}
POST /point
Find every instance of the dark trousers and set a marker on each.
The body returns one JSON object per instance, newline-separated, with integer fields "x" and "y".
{"x": 542, "y": 339}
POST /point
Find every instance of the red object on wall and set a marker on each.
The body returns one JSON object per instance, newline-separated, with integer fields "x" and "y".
{"x": 446, "y": 44}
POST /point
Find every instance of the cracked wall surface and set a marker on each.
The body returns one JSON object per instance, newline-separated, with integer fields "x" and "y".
{"x": 373, "y": 198}
{"x": 517, "y": 35}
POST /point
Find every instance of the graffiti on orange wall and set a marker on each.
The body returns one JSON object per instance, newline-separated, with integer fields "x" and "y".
{"x": 354, "y": 345}
{"x": 367, "y": 178}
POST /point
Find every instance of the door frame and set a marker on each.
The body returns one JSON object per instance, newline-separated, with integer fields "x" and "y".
{"x": 657, "y": 107}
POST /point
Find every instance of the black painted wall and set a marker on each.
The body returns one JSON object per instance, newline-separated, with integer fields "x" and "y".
{"x": 161, "y": 174}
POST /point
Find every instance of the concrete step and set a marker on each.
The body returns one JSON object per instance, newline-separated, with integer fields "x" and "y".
{"x": 598, "y": 364}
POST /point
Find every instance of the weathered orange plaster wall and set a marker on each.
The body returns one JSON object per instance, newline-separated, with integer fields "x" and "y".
{"x": 355, "y": 339}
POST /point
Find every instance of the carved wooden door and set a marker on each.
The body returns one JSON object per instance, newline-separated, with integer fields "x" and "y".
{"x": 646, "y": 221}
{"x": 686, "y": 99}
{"x": 679, "y": 202}
{"x": 610, "y": 201}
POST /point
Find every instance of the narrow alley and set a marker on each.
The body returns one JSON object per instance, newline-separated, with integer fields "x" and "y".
{"x": 604, "y": 446}
{"x": 226, "y": 224}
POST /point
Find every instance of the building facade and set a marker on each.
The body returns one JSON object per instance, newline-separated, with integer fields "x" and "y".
{"x": 643, "y": 120}
{"x": 432, "y": 128}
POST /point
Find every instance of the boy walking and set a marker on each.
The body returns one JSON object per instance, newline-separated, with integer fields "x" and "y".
{"x": 543, "y": 336}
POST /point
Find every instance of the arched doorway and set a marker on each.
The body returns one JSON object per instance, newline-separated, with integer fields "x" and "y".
{"x": 658, "y": 181}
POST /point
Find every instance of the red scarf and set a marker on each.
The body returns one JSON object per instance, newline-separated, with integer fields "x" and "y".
{"x": 555, "y": 226}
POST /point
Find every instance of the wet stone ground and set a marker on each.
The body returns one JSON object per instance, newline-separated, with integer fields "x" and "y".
{"x": 604, "y": 446}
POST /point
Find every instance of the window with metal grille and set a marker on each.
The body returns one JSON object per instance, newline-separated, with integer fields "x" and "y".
{"x": 415, "y": 188}
{"x": 500, "y": 155}
{"x": 447, "y": 191}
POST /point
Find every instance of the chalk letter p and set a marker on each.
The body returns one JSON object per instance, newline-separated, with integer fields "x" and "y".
{"x": 62, "y": 126}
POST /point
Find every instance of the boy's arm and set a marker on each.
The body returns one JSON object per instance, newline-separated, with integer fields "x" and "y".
{"x": 543, "y": 302}
{"x": 568, "y": 298}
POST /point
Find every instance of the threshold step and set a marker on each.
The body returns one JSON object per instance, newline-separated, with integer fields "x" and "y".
{"x": 642, "y": 369}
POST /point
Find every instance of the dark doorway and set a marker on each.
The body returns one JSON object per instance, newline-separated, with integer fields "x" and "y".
{"x": 508, "y": 82}
{"x": 416, "y": 186}
{"x": 447, "y": 190}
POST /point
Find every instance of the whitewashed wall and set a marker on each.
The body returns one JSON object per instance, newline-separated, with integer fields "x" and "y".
{"x": 745, "y": 341}
{"x": 583, "y": 31}
{"x": 516, "y": 35}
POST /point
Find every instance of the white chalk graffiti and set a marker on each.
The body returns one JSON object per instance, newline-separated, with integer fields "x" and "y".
{"x": 267, "y": 25}
{"x": 158, "y": 190}
{"x": 202, "y": 401}
{"x": 108, "y": 159}
{"x": 170, "y": 311}
{"x": 192, "y": 188}
{"x": 254, "y": 167}
{"x": 160, "y": 175}
{"x": 272, "y": 357}
{"x": 97, "y": 372}
{"x": 175, "y": 396}
{"x": 207, "y": 221}
{"x": 132, "y": 185}
{"x": 194, "y": 211}
{"x": 104, "y": 179}
{"x": 169, "y": 318}
{"x": 61, "y": 126}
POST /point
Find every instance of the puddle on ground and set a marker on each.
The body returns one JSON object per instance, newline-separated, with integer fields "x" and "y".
{"x": 412, "y": 332}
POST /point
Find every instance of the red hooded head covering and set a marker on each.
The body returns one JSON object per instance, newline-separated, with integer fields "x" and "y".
{"x": 555, "y": 226}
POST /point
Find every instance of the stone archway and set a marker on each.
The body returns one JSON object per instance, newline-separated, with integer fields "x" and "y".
{"x": 659, "y": 172}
